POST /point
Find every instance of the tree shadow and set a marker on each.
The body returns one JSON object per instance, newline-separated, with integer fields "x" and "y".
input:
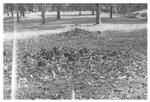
{"x": 8, "y": 18}
{"x": 53, "y": 23}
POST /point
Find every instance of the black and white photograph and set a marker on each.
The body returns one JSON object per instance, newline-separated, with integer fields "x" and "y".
{"x": 75, "y": 51}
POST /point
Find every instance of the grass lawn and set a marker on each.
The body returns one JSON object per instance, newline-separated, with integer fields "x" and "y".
{"x": 32, "y": 21}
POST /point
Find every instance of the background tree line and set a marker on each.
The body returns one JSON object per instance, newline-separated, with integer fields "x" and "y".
{"x": 20, "y": 9}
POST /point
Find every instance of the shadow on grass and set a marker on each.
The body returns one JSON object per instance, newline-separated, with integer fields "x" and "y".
{"x": 53, "y": 23}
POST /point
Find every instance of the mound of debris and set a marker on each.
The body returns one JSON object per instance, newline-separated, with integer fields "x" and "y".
{"x": 78, "y": 33}
{"x": 7, "y": 66}
{"x": 91, "y": 73}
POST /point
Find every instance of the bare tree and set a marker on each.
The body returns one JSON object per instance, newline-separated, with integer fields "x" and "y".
{"x": 98, "y": 18}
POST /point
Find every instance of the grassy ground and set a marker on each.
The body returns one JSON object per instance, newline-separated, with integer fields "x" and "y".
{"x": 32, "y": 21}
{"x": 135, "y": 41}
{"x": 117, "y": 33}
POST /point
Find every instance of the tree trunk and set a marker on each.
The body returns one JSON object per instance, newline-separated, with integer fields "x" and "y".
{"x": 37, "y": 9}
{"x": 18, "y": 19}
{"x": 22, "y": 10}
{"x": 80, "y": 12}
{"x": 20, "y": 13}
{"x": 23, "y": 13}
{"x": 12, "y": 13}
{"x": 58, "y": 12}
{"x": 128, "y": 9}
{"x": 8, "y": 11}
{"x": 43, "y": 13}
{"x": 111, "y": 11}
{"x": 98, "y": 19}
{"x": 93, "y": 12}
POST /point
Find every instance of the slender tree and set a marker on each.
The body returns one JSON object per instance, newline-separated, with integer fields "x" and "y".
{"x": 58, "y": 11}
{"x": 92, "y": 11}
{"x": 98, "y": 18}
{"x": 92, "y": 8}
{"x": 79, "y": 8}
{"x": 17, "y": 8}
{"x": 111, "y": 11}
{"x": 7, "y": 9}
{"x": 43, "y": 13}
{"x": 80, "y": 12}
{"x": 22, "y": 9}
{"x": 12, "y": 12}
{"x": 11, "y": 9}
{"x": 129, "y": 8}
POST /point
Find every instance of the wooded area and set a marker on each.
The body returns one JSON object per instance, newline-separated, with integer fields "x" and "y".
{"x": 112, "y": 8}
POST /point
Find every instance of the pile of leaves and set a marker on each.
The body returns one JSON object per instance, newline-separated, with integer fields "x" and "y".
{"x": 87, "y": 73}
{"x": 7, "y": 76}
{"x": 79, "y": 33}
{"x": 7, "y": 66}
{"x": 79, "y": 67}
